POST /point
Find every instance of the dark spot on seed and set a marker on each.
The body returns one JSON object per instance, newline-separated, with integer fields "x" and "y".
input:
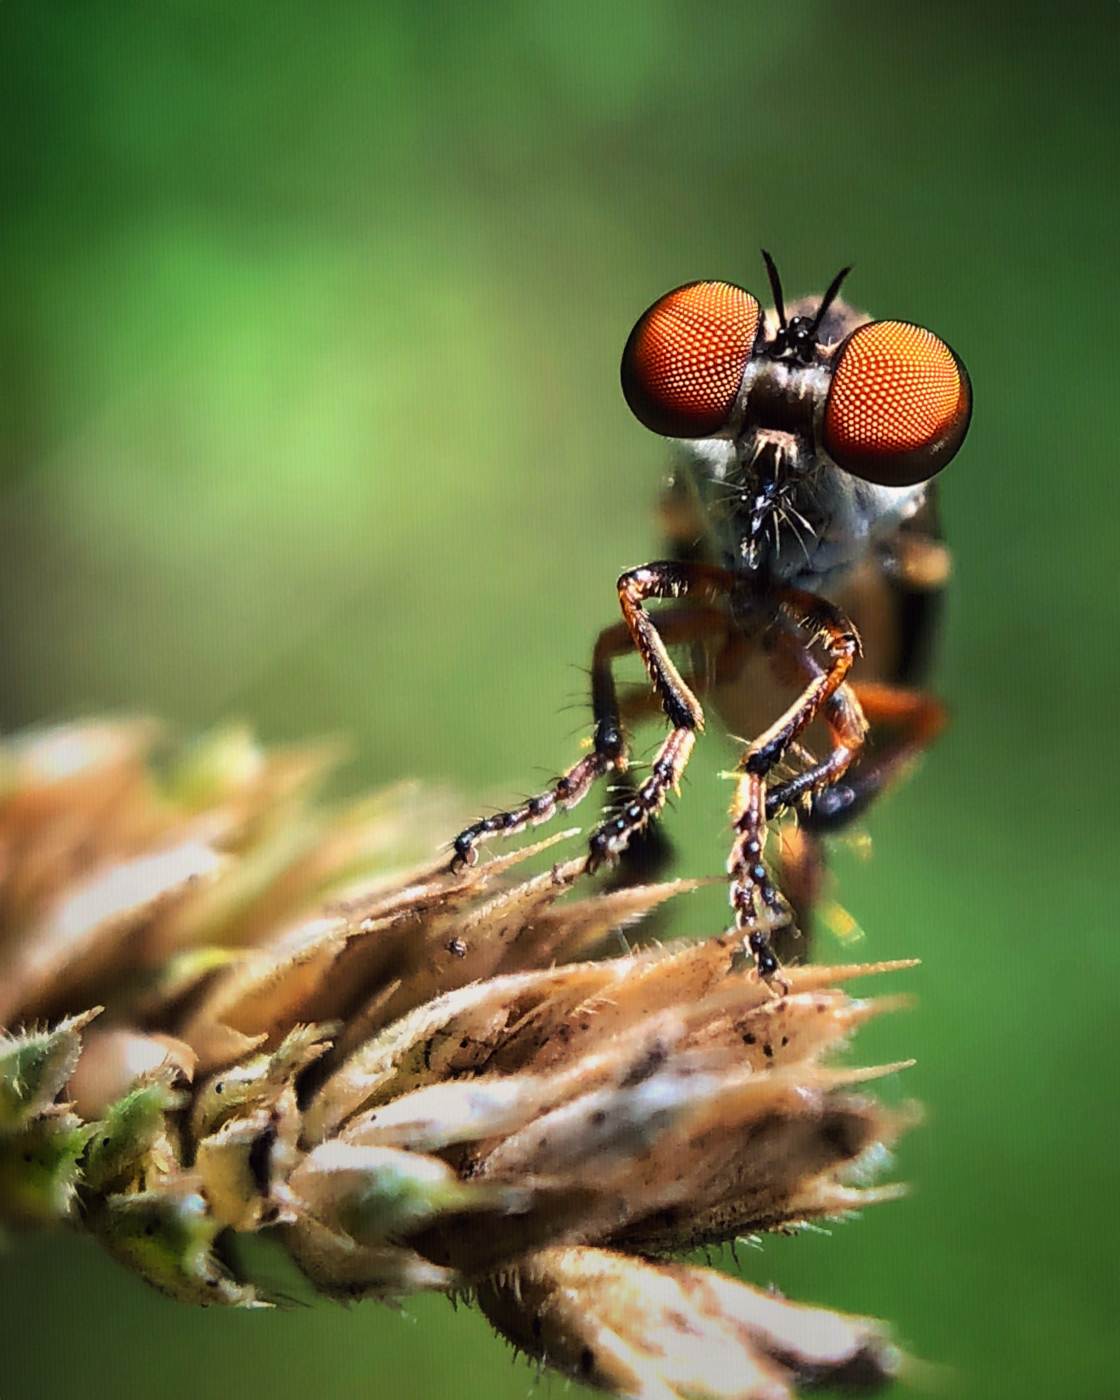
{"x": 748, "y": 1038}
{"x": 681, "y": 1323}
{"x": 768, "y": 1050}
{"x": 843, "y": 1135}
{"x": 649, "y": 1063}
{"x": 586, "y": 1361}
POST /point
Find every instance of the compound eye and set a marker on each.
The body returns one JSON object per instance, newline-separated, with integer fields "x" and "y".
{"x": 899, "y": 404}
{"x": 684, "y": 362}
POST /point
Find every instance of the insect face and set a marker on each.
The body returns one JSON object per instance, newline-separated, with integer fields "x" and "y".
{"x": 824, "y": 392}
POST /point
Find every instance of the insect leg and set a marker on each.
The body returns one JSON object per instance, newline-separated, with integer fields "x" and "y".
{"x": 715, "y": 649}
{"x": 701, "y": 582}
{"x": 915, "y": 571}
{"x": 609, "y": 748}
{"x": 819, "y": 623}
{"x": 847, "y": 724}
{"x": 916, "y": 719}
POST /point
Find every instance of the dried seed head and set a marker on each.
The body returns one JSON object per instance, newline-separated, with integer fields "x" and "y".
{"x": 422, "y": 1080}
{"x": 645, "y": 1329}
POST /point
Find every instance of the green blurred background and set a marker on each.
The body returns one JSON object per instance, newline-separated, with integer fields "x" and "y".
{"x": 309, "y": 414}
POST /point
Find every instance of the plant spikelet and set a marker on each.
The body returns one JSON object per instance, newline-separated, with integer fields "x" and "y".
{"x": 413, "y": 1079}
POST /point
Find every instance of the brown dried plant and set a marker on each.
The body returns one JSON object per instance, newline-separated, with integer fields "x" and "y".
{"x": 232, "y": 1009}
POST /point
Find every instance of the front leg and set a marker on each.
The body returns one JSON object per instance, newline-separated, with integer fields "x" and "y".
{"x": 808, "y": 621}
{"x": 704, "y": 582}
{"x": 609, "y": 749}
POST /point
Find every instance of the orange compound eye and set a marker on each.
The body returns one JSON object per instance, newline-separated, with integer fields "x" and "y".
{"x": 899, "y": 404}
{"x": 684, "y": 361}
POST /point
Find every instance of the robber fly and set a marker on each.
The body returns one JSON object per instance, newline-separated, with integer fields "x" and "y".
{"x": 803, "y": 505}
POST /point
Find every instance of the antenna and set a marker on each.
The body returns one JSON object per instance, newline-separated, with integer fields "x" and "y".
{"x": 775, "y": 287}
{"x": 828, "y": 298}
